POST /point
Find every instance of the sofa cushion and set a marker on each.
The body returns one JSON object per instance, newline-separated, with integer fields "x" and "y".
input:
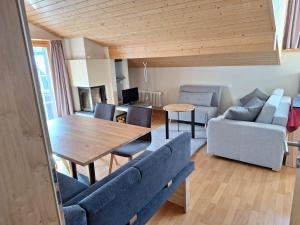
{"x": 241, "y": 113}
{"x": 98, "y": 184}
{"x": 111, "y": 190}
{"x": 247, "y": 113}
{"x": 254, "y": 103}
{"x": 69, "y": 187}
{"x": 203, "y": 99}
{"x": 216, "y": 90}
{"x": 255, "y": 93}
{"x": 281, "y": 115}
{"x": 74, "y": 215}
{"x": 116, "y": 203}
{"x": 267, "y": 113}
{"x": 122, "y": 197}
{"x": 147, "y": 212}
{"x": 179, "y": 157}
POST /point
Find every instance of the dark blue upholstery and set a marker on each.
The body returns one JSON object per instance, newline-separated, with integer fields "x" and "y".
{"x": 145, "y": 214}
{"x": 110, "y": 191}
{"x": 75, "y": 215}
{"x": 139, "y": 188}
{"x": 132, "y": 148}
{"x": 105, "y": 111}
{"x": 100, "y": 183}
{"x": 181, "y": 153}
{"x": 127, "y": 204}
{"x": 69, "y": 187}
{"x": 139, "y": 116}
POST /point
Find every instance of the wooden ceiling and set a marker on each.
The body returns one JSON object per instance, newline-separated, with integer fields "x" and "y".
{"x": 173, "y": 29}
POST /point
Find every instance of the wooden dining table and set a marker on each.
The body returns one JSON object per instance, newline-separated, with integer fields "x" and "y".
{"x": 82, "y": 140}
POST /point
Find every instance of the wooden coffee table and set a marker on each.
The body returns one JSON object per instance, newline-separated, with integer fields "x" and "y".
{"x": 179, "y": 108}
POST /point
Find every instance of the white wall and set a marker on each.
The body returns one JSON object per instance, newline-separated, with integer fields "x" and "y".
{"x": 39, "y": 33}
{"x": 74, "y": 48}
{"x": 95, "y": 51}
{"x": 237, "y": 80}
{"x": 82, "y": 48}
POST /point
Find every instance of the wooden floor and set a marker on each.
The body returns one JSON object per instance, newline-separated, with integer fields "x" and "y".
{"x": 225, "y": 192}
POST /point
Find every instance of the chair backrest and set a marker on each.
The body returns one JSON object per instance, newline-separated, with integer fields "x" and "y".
{"x": 139, "y": 116}
{"x": 105, "y": 111}
{"x": 216, "y": 90}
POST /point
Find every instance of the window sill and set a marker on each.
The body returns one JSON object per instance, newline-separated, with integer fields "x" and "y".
{"x": 291, "y": 50}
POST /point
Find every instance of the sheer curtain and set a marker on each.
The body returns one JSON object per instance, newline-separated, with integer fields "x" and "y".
{"x": 61, "y": 82}
{"x": 292, "y": 29}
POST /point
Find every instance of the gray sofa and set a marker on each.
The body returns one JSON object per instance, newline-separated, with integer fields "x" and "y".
{"x": 206, "y": 100}
{"x": 134, "y": 192}
{"x": 262, "y": 142}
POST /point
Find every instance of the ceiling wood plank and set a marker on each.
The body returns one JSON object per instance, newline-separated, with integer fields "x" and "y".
{"x": 165, "y": 28}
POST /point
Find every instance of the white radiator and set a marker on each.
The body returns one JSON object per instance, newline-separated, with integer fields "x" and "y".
{"x": 153, "y": 97}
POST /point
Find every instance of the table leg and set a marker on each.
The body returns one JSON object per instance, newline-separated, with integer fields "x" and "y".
{"x": 178, "y": 122}
{"x": 193, "y": 123}
{"x": 92, "y": 173}
{"x": 167, "y": 124}
{"x": 74, "y": 170}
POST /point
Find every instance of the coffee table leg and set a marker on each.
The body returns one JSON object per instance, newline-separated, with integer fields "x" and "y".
{"x": 193, "y": 123}
{"x": 92, "y": 173}
{"x": 167, "y": 124}
{"x": 74, "y": 170}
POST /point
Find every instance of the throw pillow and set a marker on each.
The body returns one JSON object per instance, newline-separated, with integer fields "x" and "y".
{"x": 254, "y": 102}
{"x": 201, "y": 99}
{"x": 256, "y": 93}
{"x": 247, "y": 113}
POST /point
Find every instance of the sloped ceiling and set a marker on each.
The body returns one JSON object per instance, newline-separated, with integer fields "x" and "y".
{"x": 167, "y": 32}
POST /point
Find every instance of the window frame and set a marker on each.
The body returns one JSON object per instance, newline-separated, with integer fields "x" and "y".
{"x": 46, "y": 44}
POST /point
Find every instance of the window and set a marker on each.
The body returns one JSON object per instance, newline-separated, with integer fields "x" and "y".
{"x": 40, "y": 50}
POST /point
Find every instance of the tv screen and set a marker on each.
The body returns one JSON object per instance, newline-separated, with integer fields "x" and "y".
{"x": 130, "y": 95}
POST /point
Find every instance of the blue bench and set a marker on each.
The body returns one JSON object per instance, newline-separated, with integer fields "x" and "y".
{"x": 134, "y": 192}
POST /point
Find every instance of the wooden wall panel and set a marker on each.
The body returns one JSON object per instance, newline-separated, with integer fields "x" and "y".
{"x": 233, "y": 59}
{"x": 27, "y": 193}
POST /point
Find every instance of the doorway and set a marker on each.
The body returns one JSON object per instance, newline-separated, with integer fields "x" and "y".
{"x": 41, "y": 52}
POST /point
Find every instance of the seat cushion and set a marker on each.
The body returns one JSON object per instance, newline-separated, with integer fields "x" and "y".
{"x": 69, "y": 187}
{"x": 106, "y": 179}
{"x": 132, "y": 148}
{"x": 203, "y": 99}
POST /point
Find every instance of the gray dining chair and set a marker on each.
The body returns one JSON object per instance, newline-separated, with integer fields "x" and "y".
{"x": 139, "y": 116}
{"x": 105, "y": 111}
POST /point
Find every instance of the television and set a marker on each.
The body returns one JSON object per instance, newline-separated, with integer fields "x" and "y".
{"x": 130, "y": 95}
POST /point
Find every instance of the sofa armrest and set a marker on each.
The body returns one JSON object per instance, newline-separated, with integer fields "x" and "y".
{"x": 256, "y": 143}
{"x": 74, "y": 215}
